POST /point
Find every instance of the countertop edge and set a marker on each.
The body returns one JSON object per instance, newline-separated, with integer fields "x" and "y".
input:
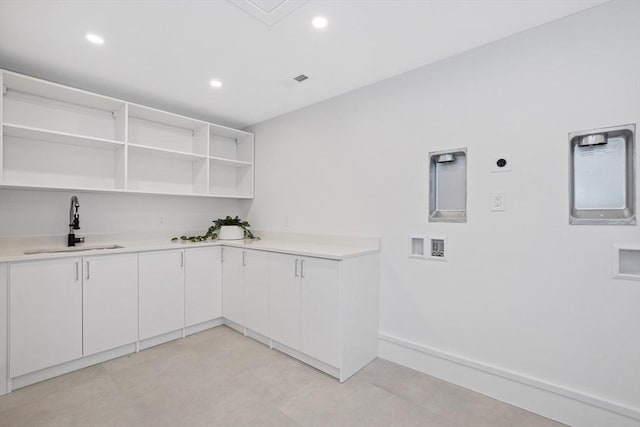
{"x": 336, "y": 252}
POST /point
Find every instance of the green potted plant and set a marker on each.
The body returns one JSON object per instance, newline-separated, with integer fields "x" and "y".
{"x": 232, "y": 229}
{"x": 223, "y": 229}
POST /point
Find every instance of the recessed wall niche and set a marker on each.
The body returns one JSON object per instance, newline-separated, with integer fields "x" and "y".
{"x": 448, "y": 186}
{"x": 601, "y": 176}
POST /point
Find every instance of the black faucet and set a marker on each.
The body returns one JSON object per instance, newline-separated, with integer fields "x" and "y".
{"x": 74, "y": 223}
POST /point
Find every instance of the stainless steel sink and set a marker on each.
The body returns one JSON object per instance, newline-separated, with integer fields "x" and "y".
{"x": 72, "y": 249}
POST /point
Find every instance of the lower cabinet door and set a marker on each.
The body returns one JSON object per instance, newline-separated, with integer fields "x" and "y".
{"x": 233, "y": 285}
{"x": 46, "y": 314}
{"x": 203, "y": 285}
{"x": 161, "y": 290}
{"x": 256, "y": 291}
{"x": 110, "y": 302}
{"x": 284, "y": 299}
{"x": 320, "y": 311}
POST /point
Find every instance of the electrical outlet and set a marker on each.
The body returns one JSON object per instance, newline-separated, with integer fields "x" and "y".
{"x": 497, "y": 201}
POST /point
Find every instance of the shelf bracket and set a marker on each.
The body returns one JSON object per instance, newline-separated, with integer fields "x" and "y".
{"x": 5, "y": 89}
{"x": 114, "y": 114}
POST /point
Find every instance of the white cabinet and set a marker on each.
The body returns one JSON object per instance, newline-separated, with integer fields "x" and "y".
{"x": 246, "y": 288}
{"x": 325, "y": 311}
{"x": 203, "y": 285}
{"x": 4, "y": 328}
{"x": 46, "y": 314}
{"x": 305, "y": 305}
{"x": 256, "y": 291}
{"x": 284, "y": 284}
{"x": 161, "y": 292}
{"x": 232, "y": 284}
{"x": 320, "y": 309}
{"x": 114, "y": 145}
{"x": 109, "y": 302}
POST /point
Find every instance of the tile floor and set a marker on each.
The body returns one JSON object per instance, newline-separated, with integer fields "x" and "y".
{"x": 220, "y": 378}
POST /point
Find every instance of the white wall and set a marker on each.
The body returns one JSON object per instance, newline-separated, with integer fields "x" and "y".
{"x": 523, "y": 291}
{"x": 38, "y": 213}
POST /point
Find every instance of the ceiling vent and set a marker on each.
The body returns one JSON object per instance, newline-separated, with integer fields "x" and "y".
{"x": 300, "y": 78}
{"x": 268, "y": 12}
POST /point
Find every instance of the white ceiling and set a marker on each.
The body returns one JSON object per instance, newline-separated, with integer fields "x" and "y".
{"x": 163, "y": 53}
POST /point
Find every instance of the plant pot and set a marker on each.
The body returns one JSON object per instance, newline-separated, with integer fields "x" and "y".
{"x": 230, "y": 232}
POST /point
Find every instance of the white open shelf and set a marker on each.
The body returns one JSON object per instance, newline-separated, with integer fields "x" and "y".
{"x": 36, "y": 162}
{"x": 158, "y": 129}
{"x": 38, "y": 104}
{"x": 166, "y": 174}
{"x": 114, "y": 146}
{"x": 224, "y": 144}
{"x": 232, "y": 181}
{"x": 167, "y": 154}
{"x": 44, "y": 89}
{"x": 27, "y": 132}
{"x": 170, "y": 119}
{"x": 231, "y": 163}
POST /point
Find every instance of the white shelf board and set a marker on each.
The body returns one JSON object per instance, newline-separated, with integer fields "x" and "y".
{"x": 228, "y": 132}
{"x": 230, "y": 197}
{"x": 166, "y": 193}
{"x": 59, "y": 92}
{"x": 18, "y": 186}
{"x": 28, "y": 132}
{"x": 169, "y": 154}
{"x": 229, "y": 162}
{"x": 117, "y": 190}
{"x": 163, "y": 117}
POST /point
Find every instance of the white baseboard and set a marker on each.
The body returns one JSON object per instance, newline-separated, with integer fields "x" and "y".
{"x": 160, "y": 339}
{"x": 74, "y": 365}
{"x": 328, "y": 369}
{"x": 262, "y": 339}
{"x": 194, "y": 329}
{"x": 8, "y": 385}
{"x": 550, "y": 400}
{"x": 233, "y": 325}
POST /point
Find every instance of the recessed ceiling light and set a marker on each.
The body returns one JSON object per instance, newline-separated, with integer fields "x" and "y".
{"x": 215, "y": 83}
{"x": 95, "y": 39}
{"x": 319, "y": 22}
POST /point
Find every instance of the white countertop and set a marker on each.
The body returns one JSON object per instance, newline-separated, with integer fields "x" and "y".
{"x": 330, "y": 247}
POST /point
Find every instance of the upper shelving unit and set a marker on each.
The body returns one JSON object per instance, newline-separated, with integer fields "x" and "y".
{"x": 114, "y": 145}
{"x": 230, "y": 162}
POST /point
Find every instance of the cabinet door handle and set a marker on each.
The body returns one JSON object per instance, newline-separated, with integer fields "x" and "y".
{"x": 181, "y": 259}
{"x": 77, "y": 271}
{"x": 88, "y": 271}
{"x": 244, "y": 253}
{"x": 296, "y": 269}
{"x": 221, "y": 254}
{"x": 302, "y": 269}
